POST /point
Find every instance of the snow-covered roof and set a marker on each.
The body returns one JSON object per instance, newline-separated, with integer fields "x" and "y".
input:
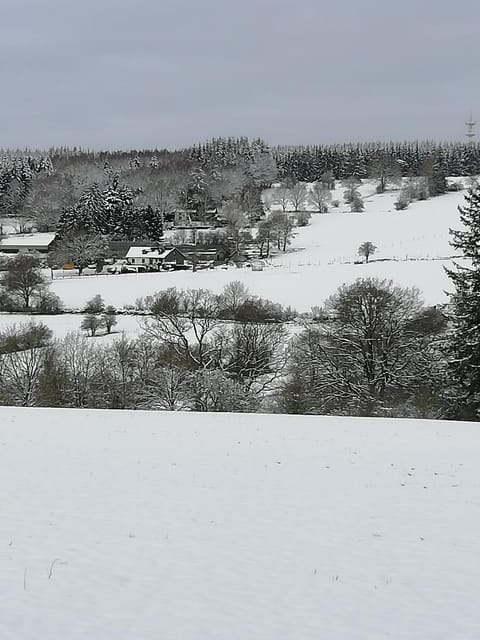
{"x": 29, "y": 241}
{"x": 148, "y": 252}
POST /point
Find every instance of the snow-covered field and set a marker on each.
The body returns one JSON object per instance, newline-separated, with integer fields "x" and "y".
{"x": 126, "y": 525}
{"x": 128, "y": 325}
{"x": 421, "y": 231}
{"x": 299, "y": 286}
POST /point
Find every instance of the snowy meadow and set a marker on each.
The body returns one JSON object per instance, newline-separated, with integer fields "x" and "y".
{"x": 190, "y": 526}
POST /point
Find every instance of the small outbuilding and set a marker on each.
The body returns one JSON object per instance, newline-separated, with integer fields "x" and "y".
{"x": 258, "y": 265}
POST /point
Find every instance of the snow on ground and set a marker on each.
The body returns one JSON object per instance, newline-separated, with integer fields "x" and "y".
{"x": 120, "y": 525}
{"x": 63, "y": 324}
{"x": 299, "y": 287}
{"x": 421, "y": 231}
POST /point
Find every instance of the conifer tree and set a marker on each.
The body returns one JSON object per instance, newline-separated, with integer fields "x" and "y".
{"x": 463, "y": 348}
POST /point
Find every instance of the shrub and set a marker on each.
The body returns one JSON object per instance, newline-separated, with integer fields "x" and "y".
{"x": 356, "y": 204}
{"x": 289, "y": 314}
{"x": 259, "y": 310}
{"x": 95, "y": 305}
{"x": 25, "y": 336}
{"x": 429, "y": 321}
{"x": 49, "y": 303}
{"x": 109, "y": 319}
{"x": 92, "y": 323}
{"x": 303, "y": 218}
{"x": 402, "y": 203}
{"x": 8, "y": 303}
{"x": 455, "y": 186}
{"x": 319, "y": 314}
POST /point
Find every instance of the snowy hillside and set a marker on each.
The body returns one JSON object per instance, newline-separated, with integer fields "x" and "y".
{"x": 421, "y": 231}
{"x": 125, "y": 525}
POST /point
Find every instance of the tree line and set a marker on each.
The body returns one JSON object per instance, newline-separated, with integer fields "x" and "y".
{"x": 131, "y": 194}
{"x": 372, "y": 349}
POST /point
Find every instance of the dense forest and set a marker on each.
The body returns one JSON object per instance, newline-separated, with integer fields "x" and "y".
{"x": 204, "y": 176}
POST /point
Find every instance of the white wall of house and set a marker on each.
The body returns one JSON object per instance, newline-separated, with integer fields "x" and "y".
{"x": 145, "y": 261}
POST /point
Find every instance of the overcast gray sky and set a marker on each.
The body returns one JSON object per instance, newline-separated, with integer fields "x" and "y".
{"x": 169, "y": 73}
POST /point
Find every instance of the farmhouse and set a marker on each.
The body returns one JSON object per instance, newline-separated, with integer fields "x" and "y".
{"x": 41, "y": 242}
{"x": 154, "y": 258}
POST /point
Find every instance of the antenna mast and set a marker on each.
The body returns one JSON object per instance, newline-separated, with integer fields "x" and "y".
{"x": 470, "y": 124}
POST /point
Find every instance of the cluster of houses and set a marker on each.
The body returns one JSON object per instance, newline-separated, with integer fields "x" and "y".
{"x": 125, "y": 256}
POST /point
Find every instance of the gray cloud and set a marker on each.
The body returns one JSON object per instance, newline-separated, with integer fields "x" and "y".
{"x": 109, "y": 74}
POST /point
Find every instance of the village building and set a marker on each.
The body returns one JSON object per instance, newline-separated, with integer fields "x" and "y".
{"x": 154, "y": 258}
{"x": 40, "y": 242}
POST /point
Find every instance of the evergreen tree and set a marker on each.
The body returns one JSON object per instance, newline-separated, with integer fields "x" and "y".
{"x": 149, "y": 223}
{"x": 464, "y": 345}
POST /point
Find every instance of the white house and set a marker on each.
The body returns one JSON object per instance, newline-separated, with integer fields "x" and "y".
{"x": 154, "y": 258}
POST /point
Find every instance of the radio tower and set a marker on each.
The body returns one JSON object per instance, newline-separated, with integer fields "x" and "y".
{"x": 470, "y": 133}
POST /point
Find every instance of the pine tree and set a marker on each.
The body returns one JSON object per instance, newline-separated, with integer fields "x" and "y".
{"x": 463, "y": 348}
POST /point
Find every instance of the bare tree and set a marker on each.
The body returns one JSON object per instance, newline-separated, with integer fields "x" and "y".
{"x": 20, "y": 376}
{"x": 320, "y": 197}
{"x": 109, "y": 318}
{"x": 303, "y": 218}
{"x": 22, "y": 224}
{"x": 155, "y": 187}
{"x": 387, "y": 170}
{"x": 116, "y": 379}
{"x": 351, "y": 185}
{"x": 78, "y": 358}
{"x": 22, "y": 353}
{"x": 283, "y": 197}
{"x": 48, "y": 195}
{"x": 236, "y": 222}
{"x": 214, "y": 390}
{"x": 167, "y": 389}
{"x": 46, "y": 220}
{"x": 185, "y": 319}
{"x": 253, "y": 353}
{"x": 352, "y": 195}
{"x": 264, "y": 236}
{"x": 92, "y": 324}
{"x": 233, "y": 296}
{"x": 370, "y": 354}
{"x": 80, "y": 249}
{"x": 298, "y": 194}
{"x": 227, "y": 185}
{"x": 23, "y": 277}
{"x": 282, "y": 226}
{"x": 268, "y": 199}
{"x": 328, "y": 180}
